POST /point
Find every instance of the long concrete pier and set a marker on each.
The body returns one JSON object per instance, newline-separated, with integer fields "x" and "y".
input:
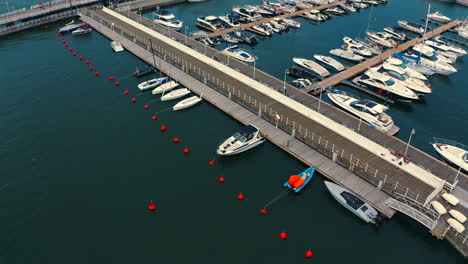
{"x": 268, "y": 19}
{"x": 363, "y": 66}
{"x": 344, "y": 153}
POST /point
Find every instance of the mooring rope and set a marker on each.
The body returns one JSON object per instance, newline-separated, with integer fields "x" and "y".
{"x": 281, "y": 195}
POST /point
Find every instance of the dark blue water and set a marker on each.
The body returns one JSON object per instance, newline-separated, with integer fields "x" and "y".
{"x": 80, "y": 163}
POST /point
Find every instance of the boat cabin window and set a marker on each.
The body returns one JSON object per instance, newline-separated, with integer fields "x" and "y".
{"x": 465, "y": 157}
{"x": 396, "y": 75}
{"x": 352, "y": 200}
{"x": 364, "y": 208}
{"x": 389, "y": 82}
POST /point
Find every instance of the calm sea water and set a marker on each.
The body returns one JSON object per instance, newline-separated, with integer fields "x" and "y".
{"x": 80, "y": 162}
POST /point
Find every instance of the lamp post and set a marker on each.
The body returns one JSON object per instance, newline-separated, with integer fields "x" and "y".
{"x": 409, "y": 140}
{"x": 284, "y": 81}
{"x": 186, "y": 27}
{"x": 255, "y": 59}
{"x": 320, "y": 100}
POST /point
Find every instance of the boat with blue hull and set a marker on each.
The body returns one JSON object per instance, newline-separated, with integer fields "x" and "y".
{"x": 143, "y": 71}
{"x": 298, "y": 182}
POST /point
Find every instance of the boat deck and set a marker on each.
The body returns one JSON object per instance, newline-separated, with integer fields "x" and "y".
{"x": 268, "y": 19}
{"x": 363, "y": 66}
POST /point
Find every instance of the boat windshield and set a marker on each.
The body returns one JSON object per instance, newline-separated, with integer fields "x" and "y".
{"x": 397, "y": 75}
{"x": 352, "y": 200}
{"x": 389, "y": 82}
{"x": 465, "y": 157}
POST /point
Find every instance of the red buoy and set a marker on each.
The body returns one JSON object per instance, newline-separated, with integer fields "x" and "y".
{"x": 146, "y": 106}
{"x": 221, "y": 179}
{"x": 63, "y": 41}
{"x": 240, "y": 196}
{"x": 81, "y": 58}
{"x": 309, "y": 254}
{"x": 117, "y": 83}
{"x": 91, "y": 68}
{"x": 125, "y": 92}
{"x": 58, "y": 34}
{"x": 87, "y": 62}
{"x": 163, "y": 128}
{"x": 66, "y": 45}
{"x": 96, "y": 73}
{"x": 63, "y": 37}
{"x": 211, "y": 163}
{"x": 70, "y": 49}
{"x": 111, "y": 78}
{"x": 55, "y": 31}
{"x": 186, "y": 150}
{"x": 176, "y": 140}
{"x": 46, "y": 27}
{"x": 263, "y": 211}
{"x": 133, "y": 100}
{"x": 155, "y": 117}
{"x": 283, "y": 235}
{"x": 152, "y": 206}
{"x": 74, "y": 54}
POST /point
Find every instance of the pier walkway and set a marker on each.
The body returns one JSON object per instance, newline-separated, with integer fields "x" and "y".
{"x": 268, "y": 19}
{"x": 309, "y": 131}
{"x": 363, "y": 66}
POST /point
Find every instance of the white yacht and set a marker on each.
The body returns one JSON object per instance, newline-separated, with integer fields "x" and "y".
{"x": 312, "y": 66}
{"x": 250, "y": 14}
{"x": 351, "y": 202}
{"x": 116, "y": 46}
{"x": 235, "y": 52}
{"x": 434, "y": 64}
{"x": 315, "y": 15}
{"x": 384, "y": 84}
{"x": 152, "y": 83}
{"x": 359, "y": 4}
{"x": 437, "y": 16}
{"x": 348, "y": 7}
{"x": 262, "y": 29}
{"x": 210, "y": 23}
{"x": 167, "y": 86}
{"x": 395, "y": 33}
{"x": 291, "y": 22}
{"x": 410, "y": 26}
{"x": 380, "y": 38}
{"x": 248, "y": 137}
{"x": 400, "y": 76}
{"x": 230, "y": 20}
{"x": 330, "y": 62}
{"x": 454, "y": 152}
{"x": 175, "y": 94}
{"x": 335, "y": 11}
{"x": 462, "y": 30}
{"x": 346, "y": 54}
{"x": 356, "y": 47}
{"x": 186, "y": 103}
{"x": 166, "y": 18}
{"x": 458, "y": 51}
{"x": 371, "y": 112}
{"x": 411, "y": 72}
{"x": 440, "y": 56}
{"x": 260, "y": 10}
{"x": 301, "y": 83}
{"x": 272, "y": 28}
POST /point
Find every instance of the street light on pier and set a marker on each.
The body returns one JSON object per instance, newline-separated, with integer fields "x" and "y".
{"x": 409, "y": 140}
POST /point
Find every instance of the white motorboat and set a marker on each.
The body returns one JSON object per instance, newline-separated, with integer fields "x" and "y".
{"x": 230, "y": 20}
{"x": 231, "y": 38}
{"x": 116, "y": 46}
{"x": 384, "y": 84}
{"x": 360, "y": 4}
{"x": 410, "y": 26}
{"x": 370, "y": 2}
{"x": 271, "y": 27}
{"x": 335, "y": 11}
{"x": 346, "y": 54}
{"x": 330, "y": 62}
{"x": 250, "y": 14}
{"x": 381, "y": 38}
{"x": 315, "y": 15}
{"x": 398, "y": 35}
{"x": 437, "y": 16}
{"x": 260, "y": 10}
{"x": 411, "y": 72}
{"x": 353, "y": 203}
{"x": 167, "y": 86}
{"x": 458, "y": 51}
{"x": 400, "y": 76}
{"x": 261, "y": 29}
{"x": 429, "y": 53}
{"x": 211, "y": 23}
{"x": 301, "y": 83}
{"x": 69, "y": 27}
{"x": 312, "y": 66}
{"x": 453, "y": 152}
{"x": 235, "y": 52}
{"x": 186, "y": 103}
{"x": 462, "y": 30}
{"x": 278, "y": 25}
{"x": 356, "y": 47}
{"x": 291, "y": 22}
{"x": 166, "y": 18}
{"x": 348, "y": 7}
{"x": 175, "y": 94}
{"x": 83, "y": 29}
{"x": 248, "y": 137}
{"x": 282, "y": 23}
{"x": 371, "y": 112}
{"x": 152, "y": 83}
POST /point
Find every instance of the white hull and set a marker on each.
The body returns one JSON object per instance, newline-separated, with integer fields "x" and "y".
{"x": 330, "y": 62}
{"x": 312, "y": 66}
{"x": 186, "y": 103}
{"x": 150, "y": 83}
{"x": 116, "y": 46}
{"x": 346, "y": 54}
{"x": 165, "y": 87}
{"x": 452, "y": 154}
{"x": 175, "y": 94}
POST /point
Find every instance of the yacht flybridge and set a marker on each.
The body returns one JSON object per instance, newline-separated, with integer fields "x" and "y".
{"x": 400, "y": 76}
{"x": 384, "y": 84}
{"x": 248, "y": 137}
{"x": 211, "y": 23}
{"x": 371, "y": 112}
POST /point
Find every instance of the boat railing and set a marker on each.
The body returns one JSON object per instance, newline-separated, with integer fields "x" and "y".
{"x": 323, "y": 144}
{"x": 449, "y": 142}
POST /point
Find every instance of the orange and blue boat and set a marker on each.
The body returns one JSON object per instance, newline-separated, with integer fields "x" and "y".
{"x": 298, "y": 182}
